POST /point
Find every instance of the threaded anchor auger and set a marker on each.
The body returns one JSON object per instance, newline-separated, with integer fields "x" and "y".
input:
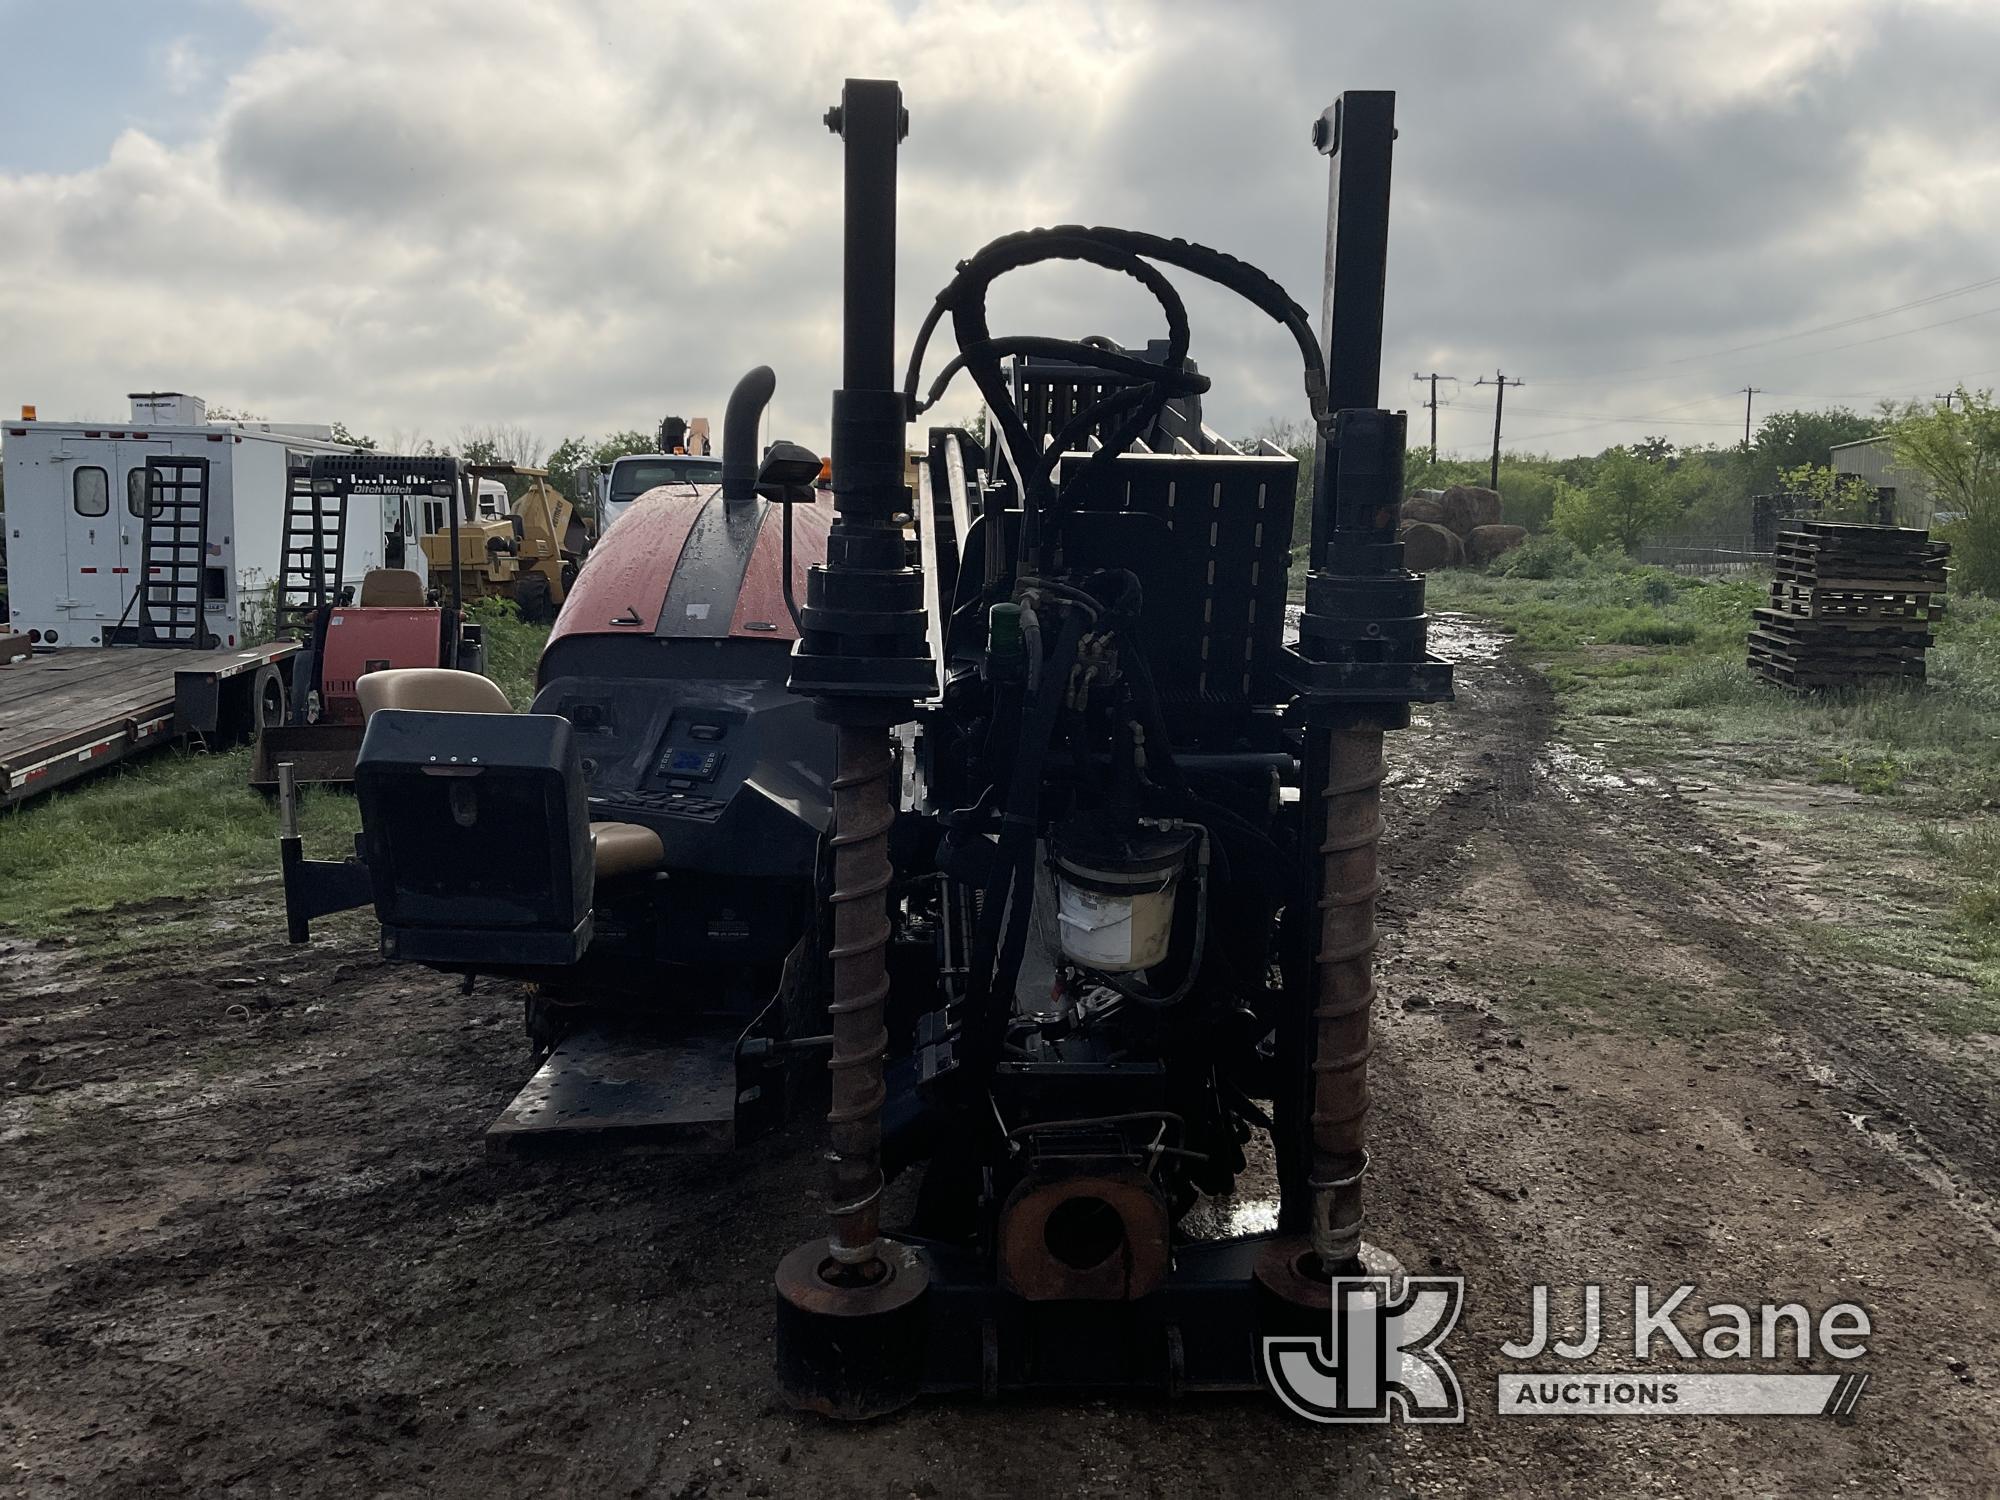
{"x": 1344, "y": 991}
{"x": 864, "y": 805}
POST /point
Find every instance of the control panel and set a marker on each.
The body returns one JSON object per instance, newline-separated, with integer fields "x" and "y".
{"x": 680, "y": 764}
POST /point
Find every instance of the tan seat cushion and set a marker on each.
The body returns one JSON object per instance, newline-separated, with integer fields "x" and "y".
{"x": 434, "y": 689}
{"x": 624, "y": 849}
{"x": 392, "y": 588}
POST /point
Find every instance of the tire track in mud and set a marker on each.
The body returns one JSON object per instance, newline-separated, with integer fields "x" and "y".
{"x": 1585, "y": 837}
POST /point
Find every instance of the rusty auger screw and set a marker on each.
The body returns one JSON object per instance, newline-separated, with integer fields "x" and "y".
{"x": 864, "y": 786}
{"x": 1344, "y": 987}
{"x": 851, "y": 1330}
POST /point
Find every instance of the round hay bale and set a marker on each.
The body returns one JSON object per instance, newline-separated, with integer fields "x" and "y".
{"x": 1488, "y": 542}
{"x": 1466, "y": 506}
{"x": 1428, "y": 547}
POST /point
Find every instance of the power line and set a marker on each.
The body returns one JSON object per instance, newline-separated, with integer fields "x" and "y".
{"x": 1914, "y": 383}
{"x": 1885, "y": 312}
{"x": 1858, "y": 318}
{"x": 1602, "y": 418}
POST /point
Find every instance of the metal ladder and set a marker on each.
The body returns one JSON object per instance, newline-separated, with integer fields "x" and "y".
{"x": 315, "y": 539}
{"x": 174, "y": 551}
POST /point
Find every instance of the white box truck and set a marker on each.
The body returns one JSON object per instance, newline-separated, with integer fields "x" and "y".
{"x": 76, "y": 516}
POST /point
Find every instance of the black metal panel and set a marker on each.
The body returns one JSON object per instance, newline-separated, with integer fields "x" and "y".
{"x": 629, "y": 1091}
{"x": 382, "y": 473}
{"x": 708, "y": 576}
{"x": 318, "y": 887}
{"x": 1214, "y": 564}
{"x": 1200, "y": 1332}
{"x": 315, "y": 541}
{"x": 1051, "y": 393}
{"x": 474, "y": 822}
{"x": 175, "y": 555}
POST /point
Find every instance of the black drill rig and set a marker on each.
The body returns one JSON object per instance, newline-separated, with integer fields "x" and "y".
{"x": 1125, "y": 918}
{"x": 1070, "y": 872}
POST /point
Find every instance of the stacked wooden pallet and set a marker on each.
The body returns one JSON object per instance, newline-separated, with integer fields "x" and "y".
{"x": 1849, "y": 604}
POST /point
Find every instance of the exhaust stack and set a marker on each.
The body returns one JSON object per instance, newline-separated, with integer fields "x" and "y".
{"x": 739, "y": 434}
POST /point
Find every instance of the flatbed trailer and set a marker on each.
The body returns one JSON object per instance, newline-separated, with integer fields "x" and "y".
{"x": 65, "y": 714}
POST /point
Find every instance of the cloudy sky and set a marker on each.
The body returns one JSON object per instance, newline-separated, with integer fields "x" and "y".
{"x": 422, "y": 215}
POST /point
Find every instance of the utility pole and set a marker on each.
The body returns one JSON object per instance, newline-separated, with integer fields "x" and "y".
{"x": 1433, "y": 378}
{"x": 1499, "y": 383}
{"x": 1748, "y": 392}
{"x": 1947, "y": 397}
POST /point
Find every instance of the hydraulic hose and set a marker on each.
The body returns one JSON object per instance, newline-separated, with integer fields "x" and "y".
{"x": 1124, "y": 250}
{"x": 1002, "y": 935}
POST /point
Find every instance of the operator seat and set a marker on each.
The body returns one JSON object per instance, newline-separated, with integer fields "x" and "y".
{"x": 615, "y": 848}
{"x": 392, "y": 588}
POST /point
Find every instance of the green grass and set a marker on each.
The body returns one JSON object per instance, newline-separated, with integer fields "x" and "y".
{"x": 1654, "y": 661}
{"x": 1664, "y": 654}
{"x": 179, "y": 828}
{"x": 172, "y": 827}
{"x": 513, "y": 647}
{"x": 1601, "y": 997}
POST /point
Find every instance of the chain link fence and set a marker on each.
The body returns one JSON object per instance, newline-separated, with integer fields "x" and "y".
{"x": 1705, "y": 554}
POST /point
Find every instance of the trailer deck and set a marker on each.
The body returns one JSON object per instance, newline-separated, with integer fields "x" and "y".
{"x": 64, "y": 714}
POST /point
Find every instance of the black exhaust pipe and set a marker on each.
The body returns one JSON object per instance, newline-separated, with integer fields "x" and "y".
{"x": 739, "y": 433}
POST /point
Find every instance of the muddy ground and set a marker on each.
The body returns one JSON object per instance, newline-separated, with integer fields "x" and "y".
{"x": 251, "y": 1243}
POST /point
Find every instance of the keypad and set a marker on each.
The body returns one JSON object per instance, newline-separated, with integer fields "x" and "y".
{"x": 643, "y": 803}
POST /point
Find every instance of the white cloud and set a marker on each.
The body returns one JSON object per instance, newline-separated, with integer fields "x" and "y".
{"x": 416, "y": 216}
{"x": 185, "y": 65}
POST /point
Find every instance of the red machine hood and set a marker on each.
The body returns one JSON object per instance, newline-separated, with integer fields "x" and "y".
{"x": 717, "y": 564}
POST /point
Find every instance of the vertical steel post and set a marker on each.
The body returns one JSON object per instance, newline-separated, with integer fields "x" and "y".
{"x": 1357, "y": 135}
{"x": 864, "y": 611}
{"x": 1357, "y": 477}
{"x": 851, "y": 1306}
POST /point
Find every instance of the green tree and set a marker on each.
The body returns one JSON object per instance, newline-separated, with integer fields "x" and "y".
{"x": 619, "y": 444}
{"x": 1711, "y": 488}
{"x": 571, "y": 454}
{"x": 1626, "y": 501}
{"x": 1957, "y": 449}
{"x": 568, "y": 461}
{"x": 1834, "y": 497}
{"x": 1787, "y": 439}
{"x": 350, "y": 439}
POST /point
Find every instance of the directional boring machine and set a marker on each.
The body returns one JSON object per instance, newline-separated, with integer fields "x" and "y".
{"x": 1002, "y": 808}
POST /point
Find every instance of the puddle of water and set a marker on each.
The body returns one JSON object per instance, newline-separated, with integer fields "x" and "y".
{"x": 1570, "y": 773}
{"x": 1464, "y": 641}
{"x": 1459, "y": 639}
{"x": 30, "y": 969}
{"x": 1251, "y": 1209}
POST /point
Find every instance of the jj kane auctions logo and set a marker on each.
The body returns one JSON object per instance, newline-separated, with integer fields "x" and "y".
{"x": 1383, "y": 1357}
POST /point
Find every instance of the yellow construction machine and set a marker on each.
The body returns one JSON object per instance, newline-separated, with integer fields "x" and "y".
{"x": 528, "y": 552}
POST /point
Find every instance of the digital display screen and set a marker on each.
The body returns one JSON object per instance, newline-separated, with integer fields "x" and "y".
{"x": 688, "y": 762}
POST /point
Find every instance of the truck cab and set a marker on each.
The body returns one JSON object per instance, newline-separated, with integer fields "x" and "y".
{"x": 631, "y": 476}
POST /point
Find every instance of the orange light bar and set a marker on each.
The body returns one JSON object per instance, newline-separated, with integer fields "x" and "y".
{"x": 27, "y": 412}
